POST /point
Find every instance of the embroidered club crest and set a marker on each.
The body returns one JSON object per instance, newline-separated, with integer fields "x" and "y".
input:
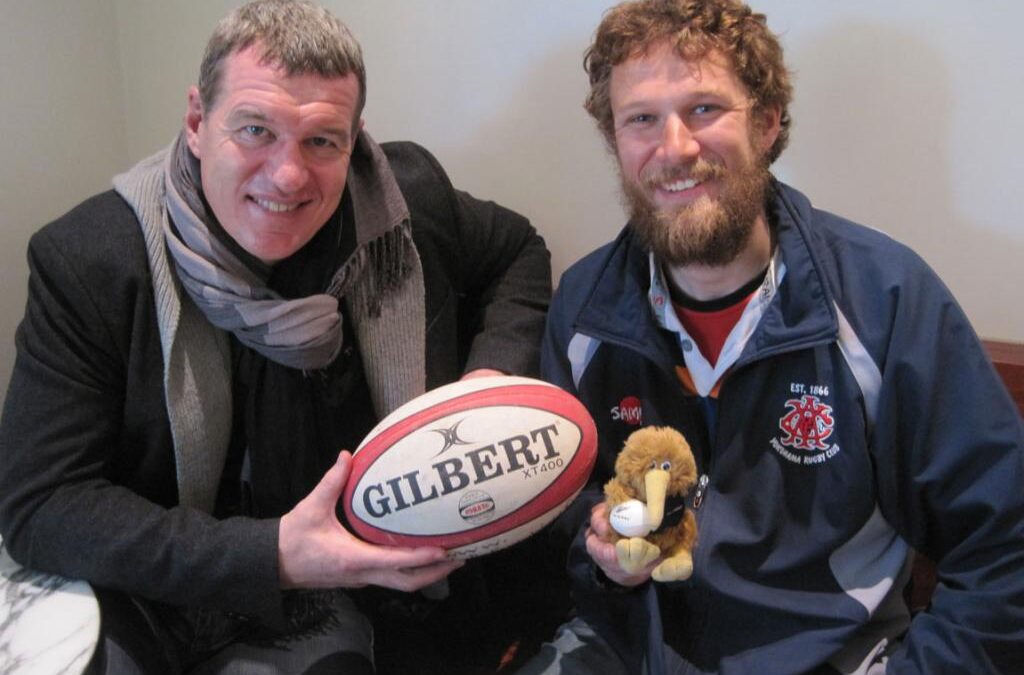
{"x": 807, "y": 425}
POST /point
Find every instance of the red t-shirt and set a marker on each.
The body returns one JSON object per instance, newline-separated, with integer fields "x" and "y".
{"x": 709, "y": 329}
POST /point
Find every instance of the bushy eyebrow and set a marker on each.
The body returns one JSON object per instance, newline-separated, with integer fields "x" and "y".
{"x": 246, "y": 114}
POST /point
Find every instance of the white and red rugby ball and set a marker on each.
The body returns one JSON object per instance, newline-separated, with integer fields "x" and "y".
{"x": 472, "y": 467}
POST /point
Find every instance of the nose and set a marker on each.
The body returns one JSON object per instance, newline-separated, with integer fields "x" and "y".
{"x": 678, "y": 144}
{"x": 288, "y": 170}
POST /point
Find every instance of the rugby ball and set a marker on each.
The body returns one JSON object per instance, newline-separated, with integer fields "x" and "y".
{"x": 472, "y": 467}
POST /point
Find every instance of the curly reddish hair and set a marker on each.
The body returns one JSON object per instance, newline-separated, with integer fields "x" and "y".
{"x": 694, "y": 27}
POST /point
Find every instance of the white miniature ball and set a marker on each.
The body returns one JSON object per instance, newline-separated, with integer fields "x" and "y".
{"x": 630, "y": 518}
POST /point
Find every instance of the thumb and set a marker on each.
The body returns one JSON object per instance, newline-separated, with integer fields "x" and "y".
{"x": 328, "y": 491}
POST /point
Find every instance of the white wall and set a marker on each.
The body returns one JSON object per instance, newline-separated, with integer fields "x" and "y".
{"x": 906, "y": 116}
{"x": 907, "y": 119}
{"x": 61, "y": 120}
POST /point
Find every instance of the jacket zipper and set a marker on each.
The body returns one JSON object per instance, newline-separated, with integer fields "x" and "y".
{"x": 702, "y": 486}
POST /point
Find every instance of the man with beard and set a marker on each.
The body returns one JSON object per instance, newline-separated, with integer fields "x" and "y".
{"x": 842, "y": 412}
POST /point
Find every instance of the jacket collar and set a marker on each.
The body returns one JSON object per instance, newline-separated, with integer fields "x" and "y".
{"x": 804, "y": 310}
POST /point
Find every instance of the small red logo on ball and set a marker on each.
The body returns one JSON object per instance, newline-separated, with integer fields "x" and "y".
{"x": 476, "y": 505}
{"x": 628, "y": 411}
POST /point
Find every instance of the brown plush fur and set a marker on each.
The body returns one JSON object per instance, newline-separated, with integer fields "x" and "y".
{"x": 646, "y": 448}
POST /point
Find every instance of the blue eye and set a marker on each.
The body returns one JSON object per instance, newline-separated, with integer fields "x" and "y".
{"x": 321, "y": 142}
{"x": 255, "y": 130}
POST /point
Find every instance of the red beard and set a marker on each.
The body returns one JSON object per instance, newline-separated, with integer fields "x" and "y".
{"x": 709, "y": 232}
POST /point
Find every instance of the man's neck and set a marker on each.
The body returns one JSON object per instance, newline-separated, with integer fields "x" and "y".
{"x": 704, "y": 283}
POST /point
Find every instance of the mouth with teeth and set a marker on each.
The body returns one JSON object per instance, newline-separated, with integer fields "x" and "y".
{"x": 680, "y": 185}
{"x": 677, "y": 180}
{"x": 276, "y": 207}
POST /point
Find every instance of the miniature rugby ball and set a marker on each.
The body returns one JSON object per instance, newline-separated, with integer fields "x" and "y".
{"x": 472, "y": 467}
{"x": 630, "y": 518}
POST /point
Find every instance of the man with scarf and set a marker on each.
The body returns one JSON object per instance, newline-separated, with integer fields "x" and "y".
{"x": 200, "y": 342}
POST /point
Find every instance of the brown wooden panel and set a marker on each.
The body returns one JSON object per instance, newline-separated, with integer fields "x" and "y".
{"x": 1008, "y": 358}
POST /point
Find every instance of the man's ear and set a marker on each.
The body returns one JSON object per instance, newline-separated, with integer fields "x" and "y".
{"x": 768, "y": 123}
{"x": 193, "y": 120}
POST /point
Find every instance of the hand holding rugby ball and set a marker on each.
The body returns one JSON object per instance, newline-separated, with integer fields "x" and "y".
{"x": 473, "y": 466}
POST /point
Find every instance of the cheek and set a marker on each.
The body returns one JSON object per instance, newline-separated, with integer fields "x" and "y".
{"x": 637, "y": 155}
{"x": 736, "y": 145}
{"x": 226, "y": 184}
{"x": 215, "y": 184}
{"x": 234, "y": 165}
{"x": 630, "y": 159}
{"x": 219, "y": 178}
{"x": 332, "y": 183}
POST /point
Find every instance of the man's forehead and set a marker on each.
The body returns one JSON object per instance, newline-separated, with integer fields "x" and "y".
{"x": 252, "y": 60}
{"x": 249, "y": 81}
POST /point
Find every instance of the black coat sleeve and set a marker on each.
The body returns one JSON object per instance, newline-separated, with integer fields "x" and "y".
{"x": 87, "y": 479}
{"x": 497, "y": 264}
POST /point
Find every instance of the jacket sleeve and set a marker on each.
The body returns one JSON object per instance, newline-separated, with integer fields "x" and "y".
{"x": 554, "y": 356}
{"x": 499, "y": 263}
{"x": 622, "y": 616}
{"x": 63, "y": 507}
{"x": 556, "y": 368}
{"x": 950, "y": 450}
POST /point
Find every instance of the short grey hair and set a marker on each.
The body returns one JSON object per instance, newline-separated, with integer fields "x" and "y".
{"x": 298, "y": 36}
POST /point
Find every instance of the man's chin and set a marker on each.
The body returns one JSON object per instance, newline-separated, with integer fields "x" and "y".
{"x": 711, "y": 231}
{"x": 700, "y": 234}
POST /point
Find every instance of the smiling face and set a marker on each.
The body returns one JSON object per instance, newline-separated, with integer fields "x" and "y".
{"x": 274, "y": 152}
{"x": 691, "y": 155}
